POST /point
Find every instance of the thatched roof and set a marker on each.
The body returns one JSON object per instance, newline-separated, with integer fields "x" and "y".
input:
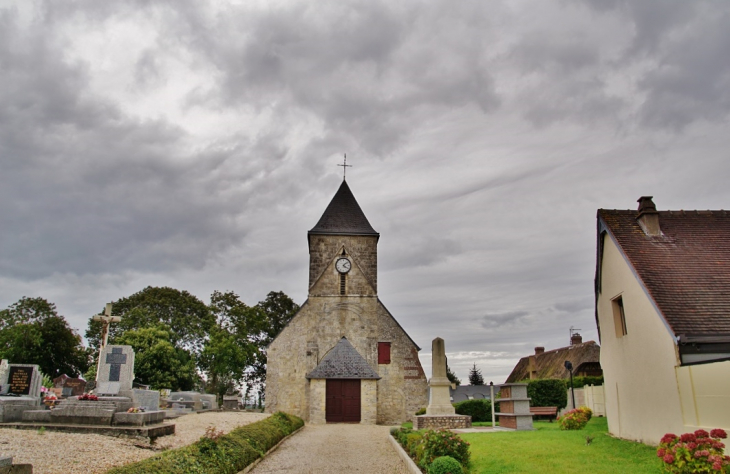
{"x": 550, "y": 364}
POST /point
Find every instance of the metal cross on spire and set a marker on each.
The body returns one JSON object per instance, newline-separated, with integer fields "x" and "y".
{"x": 344, "y": 168}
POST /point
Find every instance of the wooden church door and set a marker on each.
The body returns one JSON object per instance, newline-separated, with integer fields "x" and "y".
{"x": 343, "y": 401}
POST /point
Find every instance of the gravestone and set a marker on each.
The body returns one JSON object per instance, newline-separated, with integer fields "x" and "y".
{"x": 70, "y": 386}
{"x": 23, "y": 379}
{"x": 22, "y": 387}
{"x": 116, "y": 370}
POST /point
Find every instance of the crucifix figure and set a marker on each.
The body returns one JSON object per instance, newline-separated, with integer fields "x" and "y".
{"x": 106, "y": 319}
{"x": 344, "y": 168}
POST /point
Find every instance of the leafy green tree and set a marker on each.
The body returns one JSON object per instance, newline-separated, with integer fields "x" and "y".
{"x": 278, "y": 309}
{"x": 157, "y": 362}
{"x": 452, "y": 376}
{"x": 32, "y": 332}
{"x": 188, "y": 318}
{"x": 233, "y": 343}
{"x": 547, "y": 393}
{"x": 475, "y": 376}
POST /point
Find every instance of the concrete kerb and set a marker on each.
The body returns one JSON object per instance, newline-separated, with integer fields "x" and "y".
{"x": 248, "y": 468}
{"x": 410, "y": 464}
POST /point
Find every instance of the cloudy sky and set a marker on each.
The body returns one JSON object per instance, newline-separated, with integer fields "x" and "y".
{"x": 192, "y": 144}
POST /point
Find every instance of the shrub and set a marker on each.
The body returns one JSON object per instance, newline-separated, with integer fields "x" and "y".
{"x": 694, "y": 452}
{"x": 583, "y": 380}
{"x": 586, "y": 411}
{"x": 479, "y": 410}
{"x": 445, "y": 465}
{"x": 547, "y": 393}
{"x": 573, "y": 420}
{"x": 216, "y": 453}
{"x": 422, "y": 411}
{"x": 442, "y": 442}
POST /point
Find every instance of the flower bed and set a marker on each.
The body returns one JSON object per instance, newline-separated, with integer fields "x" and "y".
{"x": 424, "y": 447}
{"x": 216, "y": 453}
{"x": 694, "y": 452}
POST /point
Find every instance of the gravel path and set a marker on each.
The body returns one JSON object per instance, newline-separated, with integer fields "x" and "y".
{"x": 76, "y": 453}
{"x": 335, "y": 448}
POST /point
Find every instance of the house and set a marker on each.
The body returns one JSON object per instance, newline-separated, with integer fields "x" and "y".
{"x": 663, "y": 317}
{"x": 585, "y": 357}
{"x": 343, "y": 357}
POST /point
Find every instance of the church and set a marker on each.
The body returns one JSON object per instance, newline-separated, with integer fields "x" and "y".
{"x": 343, "y": 357}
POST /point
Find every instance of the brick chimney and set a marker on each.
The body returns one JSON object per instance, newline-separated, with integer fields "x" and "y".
{"x": 576, "y": 339}
{"x": 539, "y": 350}
{"x": 648, "y": 217}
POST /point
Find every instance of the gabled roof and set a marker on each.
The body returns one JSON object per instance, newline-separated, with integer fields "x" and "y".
{"x": 343, "y": 216}
{"x": 551, "y": 364}
{"x": 343, "y": 362}
{"x": 686, "y": 270}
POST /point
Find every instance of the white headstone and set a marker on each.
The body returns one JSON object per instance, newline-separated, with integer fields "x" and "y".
{"x": 116, "y": 370}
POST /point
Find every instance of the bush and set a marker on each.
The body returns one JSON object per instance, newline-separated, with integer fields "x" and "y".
{"x": 445, "y": 465}
{"x": 547, "y": 393}
{"x": 583, "y": 380}
{"x": 442, "y": 442}
{"x": 422, "y": 411}
{"x": 215, "y": 453}
{"x": 694, "y": 452}
{"x": 573, "y": 420}
{"x": 586, "y": 411}
{"x": 479, "y": 410}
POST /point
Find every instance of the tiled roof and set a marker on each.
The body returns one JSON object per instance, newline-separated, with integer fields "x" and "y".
{"x": 343, "y": 216}
{"x": 343, "y": 362}
{"x": 551, "y": 364}
{"x": 686, "y": 270}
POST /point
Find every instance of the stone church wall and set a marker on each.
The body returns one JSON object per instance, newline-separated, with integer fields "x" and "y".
{"x": 363, "y": 249}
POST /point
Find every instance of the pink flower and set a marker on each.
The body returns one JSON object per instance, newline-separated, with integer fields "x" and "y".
{"x": 718, "y": 433}
{"x": 702, "y": 434}
{"x": 660, "y": 452}
{"x": 691, "y": 445}
{"x": 668, "y": 438}
{"x": 717, "y": 466}
{"x": 668, "y": 458}
{"x": 688, "y": 437}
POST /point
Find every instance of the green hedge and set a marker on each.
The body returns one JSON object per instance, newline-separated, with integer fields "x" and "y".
{"x": 547, "y": 393}
{"x": 228, "y": 454}
{"x": 479, "y": 410}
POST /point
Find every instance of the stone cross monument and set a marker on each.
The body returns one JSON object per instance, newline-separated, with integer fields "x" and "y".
{"x": 440, "y": 403}
{"x": 106, "y": 320}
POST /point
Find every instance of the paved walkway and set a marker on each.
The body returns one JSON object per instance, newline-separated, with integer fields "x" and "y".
{"x": 335, "y": 448}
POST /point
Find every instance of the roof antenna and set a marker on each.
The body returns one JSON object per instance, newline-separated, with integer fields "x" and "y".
{"x": 344, "y": 168}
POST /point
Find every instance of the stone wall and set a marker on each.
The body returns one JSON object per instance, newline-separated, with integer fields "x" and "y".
{"x": 317, "y": 401}
{"x": 368, "y": 402}
{"x": 441, "y": 421}
{"x": 363, "y": 249}
{"x": 316, "y": 329}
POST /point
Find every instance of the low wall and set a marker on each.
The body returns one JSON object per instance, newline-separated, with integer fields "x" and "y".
{"x": 441, "y": 421}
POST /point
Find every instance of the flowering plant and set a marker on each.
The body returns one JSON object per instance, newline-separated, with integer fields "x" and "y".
{"x": 89, "y": 396}
{"x": 442, "y": 442}
{"x": 575, "y": 419}
{"x": 136, "y": 410}
{"x": 694, "y": 452}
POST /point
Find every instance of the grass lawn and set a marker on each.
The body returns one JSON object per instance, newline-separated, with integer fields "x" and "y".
{"x": 549, "y": 450}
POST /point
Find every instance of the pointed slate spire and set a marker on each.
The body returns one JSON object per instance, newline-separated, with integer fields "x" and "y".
{"x": 343, "y": 362}
{"x": 343, "y": 216}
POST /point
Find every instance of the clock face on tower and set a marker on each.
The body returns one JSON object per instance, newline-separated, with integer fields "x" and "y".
{"x": 343, "y": 265}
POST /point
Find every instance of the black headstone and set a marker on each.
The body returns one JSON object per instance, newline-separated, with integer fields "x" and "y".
{"x": 19, "y": 379}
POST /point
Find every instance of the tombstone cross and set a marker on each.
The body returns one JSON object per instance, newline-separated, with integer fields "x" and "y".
{"x": 106, "y": 319}
{"x": 115, "y": 360}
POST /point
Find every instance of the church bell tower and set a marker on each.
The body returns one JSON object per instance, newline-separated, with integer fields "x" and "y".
{"x": 343, "y": 250}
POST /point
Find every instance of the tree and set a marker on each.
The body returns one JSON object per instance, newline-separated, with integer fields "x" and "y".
{"x": 32, "y": 332}
{"x": 188, "y": 318}
{"x": 475, "y": 376}
{"x": 278, "y": 309}
{"x": 452, "y": 376}
{"x": 232, "y": 346}
{"x": 157, "y": 362}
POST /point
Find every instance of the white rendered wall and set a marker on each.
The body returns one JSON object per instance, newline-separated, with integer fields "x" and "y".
{"x": 642, "y": 397}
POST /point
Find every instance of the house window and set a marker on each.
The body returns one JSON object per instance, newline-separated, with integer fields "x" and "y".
{"x": 384, "y": 353}
{"x": 343, "y": 283}
{"x": 619, "y": 317}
